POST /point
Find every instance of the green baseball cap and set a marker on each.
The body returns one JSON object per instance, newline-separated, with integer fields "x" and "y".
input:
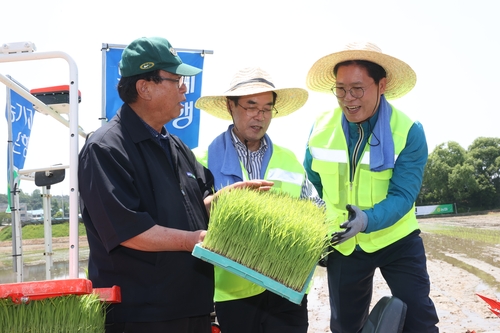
{"x": 149, "y": 54}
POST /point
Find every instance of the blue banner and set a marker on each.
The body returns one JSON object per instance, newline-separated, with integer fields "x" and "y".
{"x": 21, "y": 116}
{"x": 187, "y": 125}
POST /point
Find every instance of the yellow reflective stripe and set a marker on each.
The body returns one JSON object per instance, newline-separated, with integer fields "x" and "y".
{"x": 329, "y": 155}
{"x": 285, "y": 176}
{"x": 366, "y": 158}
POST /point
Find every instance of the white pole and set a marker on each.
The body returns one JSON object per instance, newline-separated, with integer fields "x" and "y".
{"x": 104, "y": 49}
{"x": 47, "y": 231}
{"x": 73, "y": 171}
{"x": 19, "y": 238}
{"x": 17, "y": 245}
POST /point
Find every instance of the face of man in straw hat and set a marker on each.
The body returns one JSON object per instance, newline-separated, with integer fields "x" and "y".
{"x": 250, "y": 126}
{"x": 362, "y": 94}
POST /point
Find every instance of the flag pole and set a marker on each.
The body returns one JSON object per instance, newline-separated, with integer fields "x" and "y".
{"x": 17, "y": 245}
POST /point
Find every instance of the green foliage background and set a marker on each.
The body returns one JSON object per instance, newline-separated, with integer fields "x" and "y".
{"x": 37, "y": 231}
{"x": 469, "y": 178}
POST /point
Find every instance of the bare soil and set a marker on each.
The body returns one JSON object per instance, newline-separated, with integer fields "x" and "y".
{"x": 459, "y": 270}
{"x": 33, "y": 251}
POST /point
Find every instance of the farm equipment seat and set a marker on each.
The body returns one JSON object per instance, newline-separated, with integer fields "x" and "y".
{"x": 387, "y": 316}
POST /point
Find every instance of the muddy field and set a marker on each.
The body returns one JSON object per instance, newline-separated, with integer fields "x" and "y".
{"x": 459, "y": 269}
{"x": 33, "y": 251}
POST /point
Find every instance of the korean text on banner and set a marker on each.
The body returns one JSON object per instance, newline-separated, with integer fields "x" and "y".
{"x": 22, "y": 114}
{"x": 187, "y": 125}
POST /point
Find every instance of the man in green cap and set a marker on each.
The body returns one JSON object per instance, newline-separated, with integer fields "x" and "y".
{"x": 145, "y": 201}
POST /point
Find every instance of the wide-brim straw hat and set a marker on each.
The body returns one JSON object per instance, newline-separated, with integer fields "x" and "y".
{"x": 400, "y": 76}
{"x": 250, "y": 81}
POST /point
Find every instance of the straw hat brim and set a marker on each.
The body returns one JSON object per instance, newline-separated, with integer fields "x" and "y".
{"x": 288, "y": 100}
{"x": 400, "y": 76}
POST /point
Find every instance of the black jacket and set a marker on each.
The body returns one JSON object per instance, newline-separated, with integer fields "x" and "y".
{"x": 127, "y": 185}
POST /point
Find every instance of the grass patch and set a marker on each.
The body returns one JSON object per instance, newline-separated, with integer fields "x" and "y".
{"x": 474, "y": 234}
{"x": 37, "y": 231}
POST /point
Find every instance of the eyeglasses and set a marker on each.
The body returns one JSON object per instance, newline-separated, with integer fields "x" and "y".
{"x": 180, "y": 81}
{"x": 356, "y": 92}
{"x": 252, "y": 111}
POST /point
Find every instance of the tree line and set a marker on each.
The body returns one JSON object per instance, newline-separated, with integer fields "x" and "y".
{"x": 34, "y": 201}
{"x": 469, "y": 178}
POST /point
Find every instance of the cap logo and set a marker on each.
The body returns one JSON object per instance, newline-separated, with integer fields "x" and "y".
{"x": 147, "y": 65}
{"x": 173, "y": 51}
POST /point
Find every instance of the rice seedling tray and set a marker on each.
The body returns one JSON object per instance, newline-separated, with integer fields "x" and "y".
{"x": 252, "y": 275}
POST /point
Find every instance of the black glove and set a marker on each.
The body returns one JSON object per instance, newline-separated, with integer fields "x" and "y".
{"x": 357, "y": 222}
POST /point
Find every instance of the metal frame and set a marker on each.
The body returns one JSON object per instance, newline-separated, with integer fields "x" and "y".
{"x": 74, "y": 131}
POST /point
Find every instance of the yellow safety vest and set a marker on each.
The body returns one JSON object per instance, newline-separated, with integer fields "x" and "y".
{"x": 330, "y": 159}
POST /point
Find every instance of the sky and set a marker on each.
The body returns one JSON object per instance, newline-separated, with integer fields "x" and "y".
{"x": 452, "y": 45}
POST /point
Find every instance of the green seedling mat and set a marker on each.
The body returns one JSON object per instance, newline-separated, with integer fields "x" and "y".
{"x": 251, "y": 275}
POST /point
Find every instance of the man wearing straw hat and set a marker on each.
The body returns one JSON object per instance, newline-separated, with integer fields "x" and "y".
{"x": 246, "y": 152}
{"x": 367, "y": 159}
{"x": 145, "y": 201}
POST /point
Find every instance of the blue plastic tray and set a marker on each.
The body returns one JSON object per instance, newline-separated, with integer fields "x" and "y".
{"x": 251, "y": 275}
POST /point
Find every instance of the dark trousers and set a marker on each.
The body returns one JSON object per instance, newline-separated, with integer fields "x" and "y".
{"x": 403, "y": 266}
{"x": 201, "y": 324}
{"x": 264, "y": 313}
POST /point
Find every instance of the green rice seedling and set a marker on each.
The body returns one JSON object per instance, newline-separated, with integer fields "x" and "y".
{"x": 271, "y": 233}
{"x": 62, "y": 314}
